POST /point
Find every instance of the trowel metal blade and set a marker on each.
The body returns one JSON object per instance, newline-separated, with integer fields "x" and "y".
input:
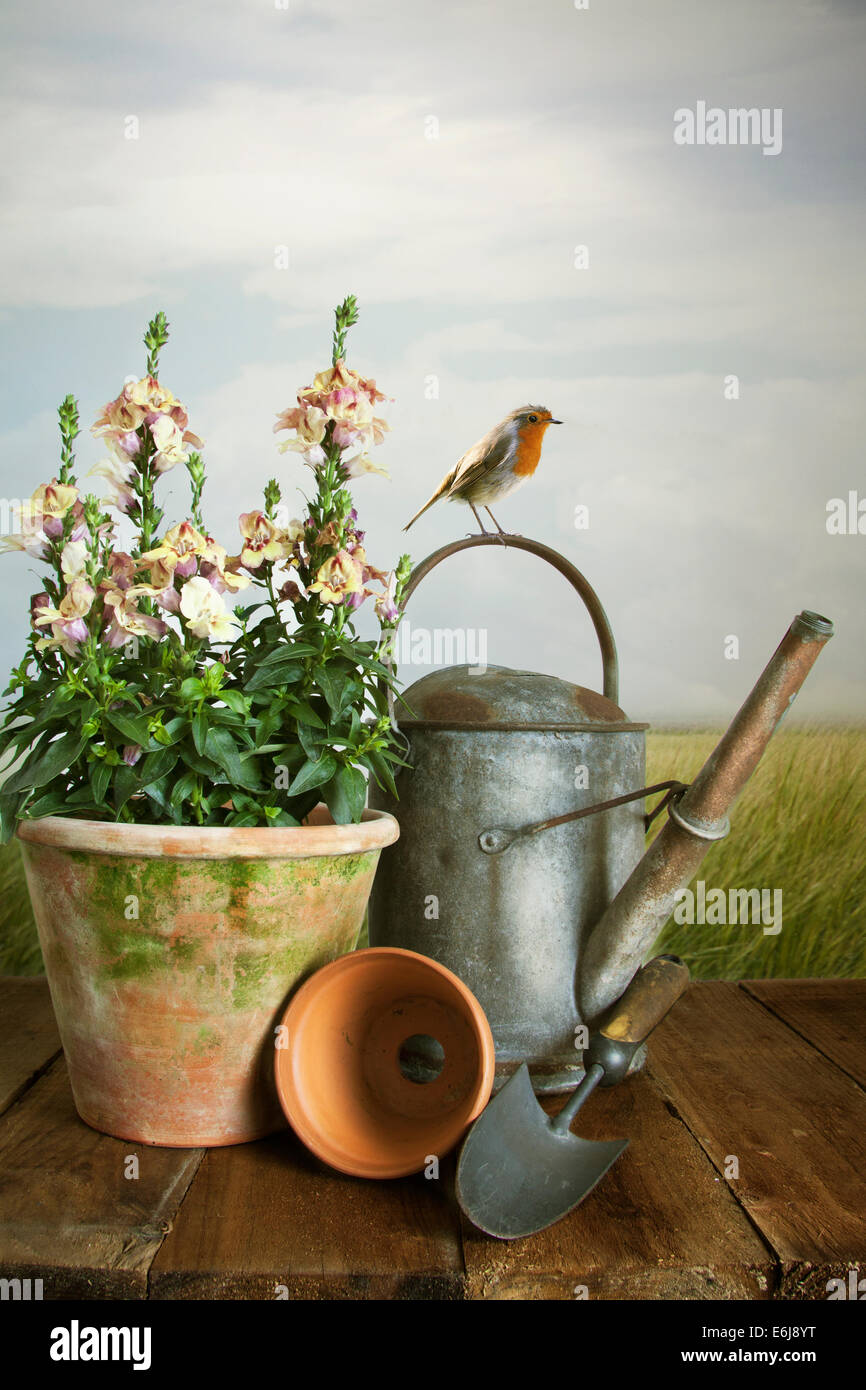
{"x": 516, "y": 1175}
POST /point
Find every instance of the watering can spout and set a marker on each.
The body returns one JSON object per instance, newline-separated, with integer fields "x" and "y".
{"x": 698, "y": 816}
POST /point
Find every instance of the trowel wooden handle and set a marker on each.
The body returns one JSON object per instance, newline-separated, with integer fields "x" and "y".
{"x": 616, "y": 1038}
{"x": 652, "y": 993}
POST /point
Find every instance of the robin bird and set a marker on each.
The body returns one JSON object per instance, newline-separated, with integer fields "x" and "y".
{"x": 497, "y": 465}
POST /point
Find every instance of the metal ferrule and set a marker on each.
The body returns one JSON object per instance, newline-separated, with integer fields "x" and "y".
{"x": 692, "y": 827}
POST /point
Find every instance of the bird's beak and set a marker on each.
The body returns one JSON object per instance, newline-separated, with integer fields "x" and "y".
{"x": 554, "y": 422}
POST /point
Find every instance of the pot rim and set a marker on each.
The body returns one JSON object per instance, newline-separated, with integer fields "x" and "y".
{"x": 321, "y": 838}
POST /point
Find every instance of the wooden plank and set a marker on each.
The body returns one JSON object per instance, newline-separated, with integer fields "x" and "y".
{"x": 28, "y": 1034}
{"x": 830, "y": 1014}
{"x": 747, "y": 1085}
{"x": 268, "y": 1216}
{"x": 68, "y": 1214}
{"x": 660, "y": 1224}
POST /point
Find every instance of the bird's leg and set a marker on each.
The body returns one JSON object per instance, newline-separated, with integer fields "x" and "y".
{"x": 478, "y": 519}
{"x": 502, "y": 533}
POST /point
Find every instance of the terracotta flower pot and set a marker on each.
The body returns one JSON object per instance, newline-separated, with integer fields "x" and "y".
{"x": 360, "y": 1068}
{"x": 170, "y": 953}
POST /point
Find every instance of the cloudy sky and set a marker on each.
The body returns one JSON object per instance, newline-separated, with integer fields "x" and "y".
{"x": 444, "y": 163}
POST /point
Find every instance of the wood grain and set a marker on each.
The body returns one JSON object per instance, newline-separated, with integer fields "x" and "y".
{"x": 268, "y": 1215}
{"x": 67, "y": 1212}
{"x": 28, "y": 1034}
{"x": 747, "y": 1085}
{"x": 660, "y": 1224}
{"x": 830, "y": 1014}
{"x": 767, "y": 1071}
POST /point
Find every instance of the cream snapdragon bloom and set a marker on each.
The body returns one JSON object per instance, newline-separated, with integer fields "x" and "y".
{"x": 204, "y": 611}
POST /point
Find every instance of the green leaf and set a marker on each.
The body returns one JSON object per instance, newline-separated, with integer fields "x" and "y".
{"x": 191, "y": 689}
{"x": 81, "y": 796}
{"x": 285, "y": 652}
{"x": 127, "y": 780}
{"x": 313, "y": 773}
{"x": 100, "y": 776}
{"x": 352, "y": 692}
{"x": 381, "y": 770}
{"x": 52, "y": 804}
{"x": 183, "y": 789}
{"x": 157, "y": 793}
{"x": 250, "y": 608}
{"x": 204, "y": 766}
{"x": 267, "y": 723}
{"x": 330, "y": 685}
{"x": 304, "y": 713}
{"x": 227, "y": 720}
{"x": 24, "y": 740}
{"x": 346, "y": 795}
{"x": 54, "y": 709}
{"x": 53, "y": 759}
{"x": 133, "y": 730}
{"x": 359, "y": 657}
{"x": 221, "y": 747}
{"x": 214, "y": 677}
{"x": 236, "y": 701}
{"x": 199, "y": 729}
{"x": 8, "y": 816}
{"x": 308, "y": 741}
{"x": 158, "y": 765}
{"x": 275, "y": 677}
{"x": 174, "y": 730}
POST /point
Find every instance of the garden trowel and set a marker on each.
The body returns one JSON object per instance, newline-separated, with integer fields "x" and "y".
{"x": 520, "y": 1169}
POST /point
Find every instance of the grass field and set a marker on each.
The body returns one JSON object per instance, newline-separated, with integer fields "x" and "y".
{"x": 800, "y": 827}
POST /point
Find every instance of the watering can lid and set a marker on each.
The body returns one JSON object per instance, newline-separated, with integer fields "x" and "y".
{"x": 464, "y": 697}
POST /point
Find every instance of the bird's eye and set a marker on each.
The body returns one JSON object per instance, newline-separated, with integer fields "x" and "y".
{"x": 533, "y": 419}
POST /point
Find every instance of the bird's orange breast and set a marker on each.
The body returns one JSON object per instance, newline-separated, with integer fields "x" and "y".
{"x": 528, "y": 450}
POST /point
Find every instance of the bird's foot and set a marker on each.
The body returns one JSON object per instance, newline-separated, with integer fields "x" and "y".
{"x": 502, "y": 536}
{"x": 488, "y": 535}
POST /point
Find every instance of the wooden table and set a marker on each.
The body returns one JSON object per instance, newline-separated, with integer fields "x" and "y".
{"x": 769, "y": 1073}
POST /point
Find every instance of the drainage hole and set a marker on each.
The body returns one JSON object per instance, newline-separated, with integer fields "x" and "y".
{"x": 421, "y": 1058}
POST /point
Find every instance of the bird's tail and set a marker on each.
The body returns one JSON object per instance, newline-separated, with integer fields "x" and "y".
{"x": 440, "y": 492}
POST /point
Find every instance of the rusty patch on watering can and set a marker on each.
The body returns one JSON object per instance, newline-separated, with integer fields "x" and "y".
{"x": 596, "y": 706}
{"x": 453, "y": 707}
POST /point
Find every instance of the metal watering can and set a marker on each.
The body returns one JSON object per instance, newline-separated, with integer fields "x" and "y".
{"x": 520, "y": 864}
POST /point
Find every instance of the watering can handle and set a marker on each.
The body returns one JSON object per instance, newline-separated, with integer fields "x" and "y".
{"x": 590, "y": 598}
